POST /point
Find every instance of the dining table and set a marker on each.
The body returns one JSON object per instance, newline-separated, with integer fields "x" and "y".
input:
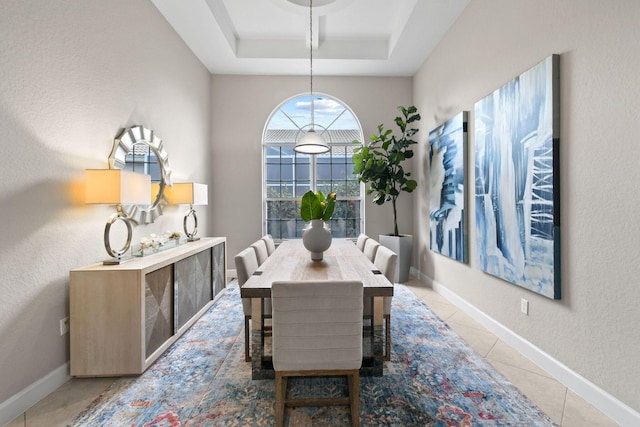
{"x": 292, "y": 262}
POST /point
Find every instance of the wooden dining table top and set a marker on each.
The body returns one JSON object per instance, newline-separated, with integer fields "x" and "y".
{"x": 292, "y": 262}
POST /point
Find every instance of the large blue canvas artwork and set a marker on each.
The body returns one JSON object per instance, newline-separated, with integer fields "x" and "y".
{"x": 447, "y": 195}
{"x": 517, "y": 190}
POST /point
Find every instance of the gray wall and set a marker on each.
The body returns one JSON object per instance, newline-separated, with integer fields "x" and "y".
{"x": 593, "y": 329}
{"x": 241, "y": 106}
{"x": 72, "y": 73}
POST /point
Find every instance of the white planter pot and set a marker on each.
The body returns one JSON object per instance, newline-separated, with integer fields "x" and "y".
{"x": 403, "y": 247}
{"x": 316, "y": 239}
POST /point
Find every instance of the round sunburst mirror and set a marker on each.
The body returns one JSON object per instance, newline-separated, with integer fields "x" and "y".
{"x": 138, "y": 149}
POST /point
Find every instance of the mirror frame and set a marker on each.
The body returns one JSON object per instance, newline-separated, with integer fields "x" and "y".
{"x": 123, "y": 144}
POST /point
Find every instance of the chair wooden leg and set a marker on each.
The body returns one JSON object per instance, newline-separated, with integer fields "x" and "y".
{"x": 281, "y": 394}
{"x": 247, "y": 333}
{"x": 354, "y": 395}
{"x": 353, "y": 400}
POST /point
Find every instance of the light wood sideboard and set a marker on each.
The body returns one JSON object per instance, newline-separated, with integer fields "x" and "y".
{"x": 123, "y": 317}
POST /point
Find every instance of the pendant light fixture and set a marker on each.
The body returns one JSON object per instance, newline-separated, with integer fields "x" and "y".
{"x": 311, "y": 142}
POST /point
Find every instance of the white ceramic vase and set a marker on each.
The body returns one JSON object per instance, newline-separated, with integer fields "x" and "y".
{"x": 316, "y": 239}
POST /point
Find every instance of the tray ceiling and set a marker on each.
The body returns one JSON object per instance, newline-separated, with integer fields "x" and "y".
{"x": 351, "y": 37}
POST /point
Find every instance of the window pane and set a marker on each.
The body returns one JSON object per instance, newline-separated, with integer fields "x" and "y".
{"x": 352, "y": 189}
{"x": 288, "y": 152}
{"x": 324, "y": 171}
{"x": 324, "y": 186}
{"x": 273, "y": 172}
{"x": 286, "y": 172}
{"x": 302, "y": 187}
{"x": 339, "y": 171}
{"x": 273, "y": 190}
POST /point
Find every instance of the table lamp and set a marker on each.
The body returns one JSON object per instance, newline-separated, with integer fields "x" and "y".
{"x": 119, "y": 187}
{"x": 190, "y": 193}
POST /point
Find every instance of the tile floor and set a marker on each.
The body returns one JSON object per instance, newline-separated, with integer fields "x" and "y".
{"x": 563, "y": 406}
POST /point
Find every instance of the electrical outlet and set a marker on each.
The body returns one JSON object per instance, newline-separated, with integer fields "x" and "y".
{"x": 64, "y": 326}
{"x": 524, "y": 306}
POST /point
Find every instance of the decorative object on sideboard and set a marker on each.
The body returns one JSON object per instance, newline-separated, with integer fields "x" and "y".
{"x": 116, "y": 187}
{"x": 308, "y": 141}
{"x": 190, "y": 193}
{"x": 138, "y": 149}
{"x": 379, "y": 164}
{"x": 154, "y": 243}
{"x": 316, "y": 208}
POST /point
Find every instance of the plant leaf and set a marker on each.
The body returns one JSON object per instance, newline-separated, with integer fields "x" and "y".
{"x": 310, "y": 207}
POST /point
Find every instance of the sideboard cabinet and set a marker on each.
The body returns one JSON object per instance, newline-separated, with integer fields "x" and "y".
{"x": 123, "y": 317}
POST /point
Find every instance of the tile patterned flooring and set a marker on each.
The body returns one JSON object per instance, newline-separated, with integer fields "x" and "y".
{"x": 563, "y": 406}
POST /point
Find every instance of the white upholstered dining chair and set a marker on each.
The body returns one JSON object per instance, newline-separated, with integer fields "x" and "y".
{"x": 271, "y": 244}
{"x": 317, "y": 331}
{"x": 370, "y": 248}
{"x": 246, "y": 264}
{"x": 362, "y": 238}
{"x": 260, "y": 247}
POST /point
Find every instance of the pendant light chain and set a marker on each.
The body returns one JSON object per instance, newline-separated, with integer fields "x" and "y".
{"x": 311, "y": 58}
{"x": 311, "y": 142}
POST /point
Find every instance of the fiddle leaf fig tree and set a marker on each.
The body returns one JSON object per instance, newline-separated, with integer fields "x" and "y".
{"x": 379, "y": 163}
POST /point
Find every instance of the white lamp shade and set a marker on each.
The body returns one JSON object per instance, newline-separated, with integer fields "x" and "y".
{"x": 187, "y": 193}
{"x": 115, "y": 186}
{"x": 311, "y": 143}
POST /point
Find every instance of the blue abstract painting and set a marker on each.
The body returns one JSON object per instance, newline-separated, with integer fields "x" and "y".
{"x": 517, "y": 190}
{"x": 447, "y": 195}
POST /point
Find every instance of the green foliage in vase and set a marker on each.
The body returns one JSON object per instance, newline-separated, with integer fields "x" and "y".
{"x": 379, "y": 163}
{"x": 317, "y": 206}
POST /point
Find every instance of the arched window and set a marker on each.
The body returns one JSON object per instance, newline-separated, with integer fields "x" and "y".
{"x": 287, "y": 175}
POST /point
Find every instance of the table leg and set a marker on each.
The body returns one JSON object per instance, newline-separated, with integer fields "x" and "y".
{"x": 257, "y": 342}
{"x": 378, "y": 334}
{"x": 373, "y": 366}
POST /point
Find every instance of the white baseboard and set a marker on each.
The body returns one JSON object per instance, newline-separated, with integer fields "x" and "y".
{"x": 599, "y": 398}
{"x": 25, "y": 399}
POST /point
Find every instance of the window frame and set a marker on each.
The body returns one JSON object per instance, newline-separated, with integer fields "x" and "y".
{"x": 313, "y": 162}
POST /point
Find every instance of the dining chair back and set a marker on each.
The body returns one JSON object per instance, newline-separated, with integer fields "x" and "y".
{"x": 370, "y": 248}
{"x": 271, "y": 244}
{"x": 386, "y": 261}
{"x": 246, "y": 264}
{"x": 317, "y": 331}
{"x": 261, "y": 251}
{"x": 362, "y": 238}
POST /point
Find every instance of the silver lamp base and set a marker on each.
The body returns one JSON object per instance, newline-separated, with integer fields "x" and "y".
{"x": 191, "y": 235}
{"x": 117, "y": 254}
{"x": 117, "y": 261}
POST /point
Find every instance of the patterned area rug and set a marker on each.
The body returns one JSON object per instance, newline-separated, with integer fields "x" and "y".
{"x": 433, "y": 379}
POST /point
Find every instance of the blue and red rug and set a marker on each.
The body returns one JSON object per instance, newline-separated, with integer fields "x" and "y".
{"x": 433, "y": 379}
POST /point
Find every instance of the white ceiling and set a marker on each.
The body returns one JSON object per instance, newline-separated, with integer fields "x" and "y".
{"x": 351, "y": 37}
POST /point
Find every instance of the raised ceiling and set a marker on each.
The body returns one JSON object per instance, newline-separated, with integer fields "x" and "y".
{"x": 350, "y": 37}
